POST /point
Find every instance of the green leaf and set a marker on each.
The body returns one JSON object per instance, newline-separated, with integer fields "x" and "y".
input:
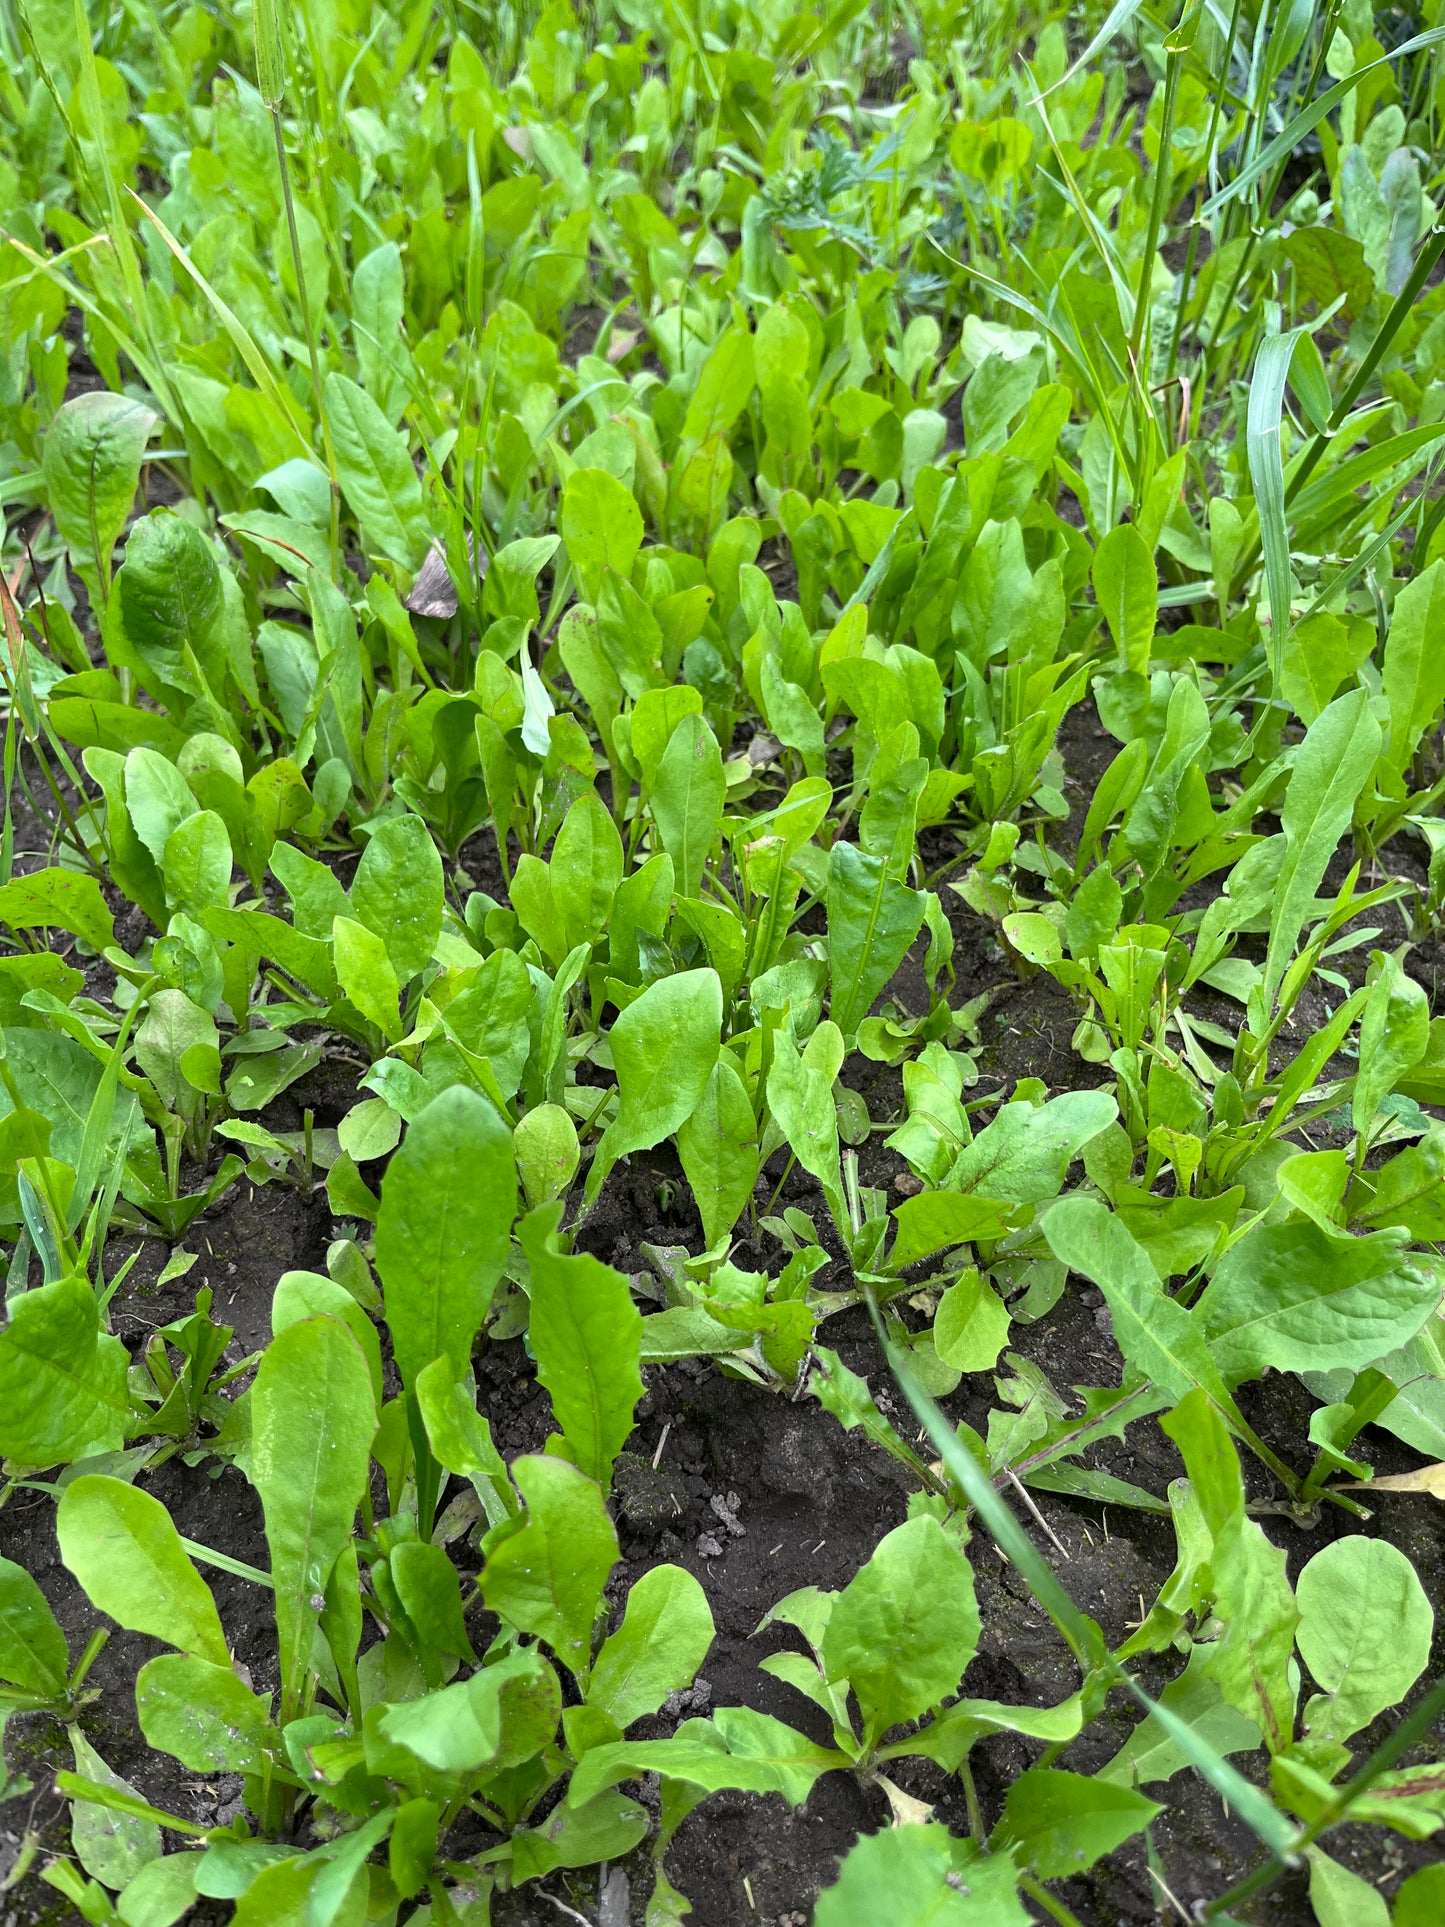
{"x": 1024, "y": 1155}
{"x": 544, "y": 1572}
{"x": 203, "y": 1715}
{"x": 872, "y": 922}
{"x": 172, "y": 602}
{"x": 1420, "y": 1901}
{"x": 762, "y": 1756}
{"x": 1151, "y": 1753}
{"x": 664, "y": 1046}
{"x": 447, "y": 1205}
{"x": 1060, "y": 1823}
{"x": 33, "y": 1653}
{"x": 971, "y": 1325}
{"x": 1364, "y": 1632}
{"x": 1394, "y": 1037}
{"x": 1250, "y": 1662}
{"x": 905, "y": 1627}
{"x": 313, "y": 1417}
{"x": 663, "y": 1639}
{"x": 601, "y": 525}
{"x": 1155, "y": 1334}
{"x": 1340, "y": 1898}
{"x": 586, "y": 868}
{"x": 938, "y": 1220}
{"x": 62, "y": 1380}
{"x": 1127, "y": 590}
{"x": 1292, "y": 1296}
{"x": 91, "y": 462}
{"x": 1331, "y": 768}
{"x": 398, "y": 893}
{"x": 800, "y": 1097}
{"x": 430, "y": 1592}
{"x": 365, "y": 975}
{"x": 374, "y": 467}
{"x": 1413, "y": 671}
{"x": 311, "y": 1294}
{"x": 585, "y": 1333}
{"x": 687, "y": 799}
{"x": 58, "y": 900}
{"x": 913, "y": 1876}
{"x": 161, "y": 1892}
{"x": 454, "y": 1730}
{"x": 111, "y": 1846}
{"x": 121, "y": 1545}
{"x": 718, "y": 1148}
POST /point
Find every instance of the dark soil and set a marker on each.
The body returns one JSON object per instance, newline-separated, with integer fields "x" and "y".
{"x": 757, "y": 1495}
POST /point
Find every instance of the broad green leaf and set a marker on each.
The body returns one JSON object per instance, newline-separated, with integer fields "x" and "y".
{"x": 461, "y": 1439}
{"x": 365, "y": 975}
{"x": 1364, "y": 1632}
{"x": 1155, "y": 1334}
{"x": 1413, "y": 672}
{"x": 378, "y": 308}
{"x": 33, "y": 1654}
{"x": 687, "y": 800}
{"x": 1420, "y": 1901}
{"x": 430, "y": 1592}
{"x": 161, "y": 1892}
{"x": 1023, "y": 1156}
{"x": 374, "y": 467}
{"x": 1295, "y": 1297}
{"x": 398, "y": 893}
{"x": 58, "y": 900}
{"x": 663, "y": 1639}
{"x": 197, "y": 863}
{"x": 447, "y": 1205}
{"x": 1151, "y": 1754}
{"x": 800, "y": 1097}
{"x": 1340, "y": 1898}
{"x": 872, "y": 922}
{"x": 758, "y": 1755}
{"x": 62, "y": 1380}
{"x": 1394, "y": 1036}
{"x": 1319, "y": 654}
{"x": 544, "y": 1572}
{"x": 112, "y": 1847}
{"x": 718, "y": 1148}
{"x": 311, "y": 1294}
{"x": 1127, "y": 590}
{"x": 586, "y": 868}
{"x": 455, "y": 1730}
{"x": 664, "y": 1046}
{"x": 937, "y": 1220}
{"x": 911, "y": 1876}
{"x": 601, "y": 525}
{"x": 547, "y": 1152}
{"x": 121, "y": 1545}
{"x": 585, "y": 1333}
{"x": 1331, "y": 768}
{"x": 1250, "y": 1662}
{"x": 172, "y": 601}
{"x": 1060, "y": 1823}
{"x": 905, "y": 1627}
{"x": 971, "y": 1325}
{"x": 313, "y": 1417}
{"x": 91, "y": 462}
{"x": 158, "y": 798}
{"x": 200, "y": 1713}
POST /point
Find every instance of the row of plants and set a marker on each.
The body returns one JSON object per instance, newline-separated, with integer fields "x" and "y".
{"x": 688, "y": 469}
